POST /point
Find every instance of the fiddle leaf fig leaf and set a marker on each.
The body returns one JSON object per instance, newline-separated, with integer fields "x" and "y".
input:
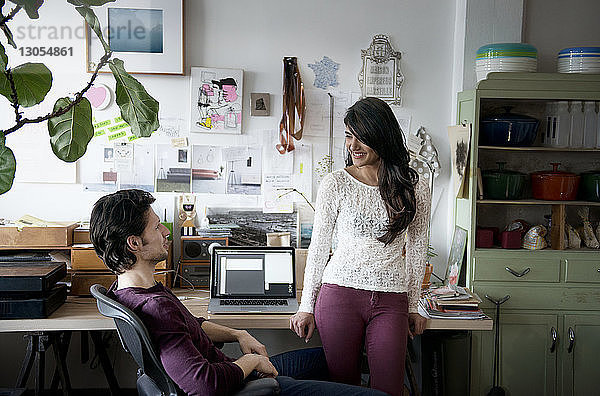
{"x": 3, "y": 59}
{"x": 31, "y": 7}
{"x": 138, "y": 108}
{"x": 89, "y": 3}
{"x": 8, "y": 166}
{"x": 71, "y": 132}
{"x": 92, "y": 20}
{"x": 32, "y": 82}
{"x": 9, "y": 36}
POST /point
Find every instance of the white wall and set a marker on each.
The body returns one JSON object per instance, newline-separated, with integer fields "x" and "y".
{"x": 551, "y": 25}
{"x": 255, "y": 36}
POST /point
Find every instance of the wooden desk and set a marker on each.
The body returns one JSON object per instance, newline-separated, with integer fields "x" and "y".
{"x": 81, "y": 313}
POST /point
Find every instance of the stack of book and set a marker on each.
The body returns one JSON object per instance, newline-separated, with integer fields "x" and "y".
{"x": 214, "y": 231}
{"x": 451, "y": 303}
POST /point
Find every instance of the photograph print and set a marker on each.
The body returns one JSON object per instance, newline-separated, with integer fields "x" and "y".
{"x": 216, "y": 100}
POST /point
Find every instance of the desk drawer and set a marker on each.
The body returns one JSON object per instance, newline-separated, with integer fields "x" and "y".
{"x": 533, "y": 270}
{"x": 582, "y": 271}
{"x": 539, "y": 297}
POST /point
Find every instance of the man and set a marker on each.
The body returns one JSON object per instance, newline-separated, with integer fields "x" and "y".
{"x": 129, "y": 237}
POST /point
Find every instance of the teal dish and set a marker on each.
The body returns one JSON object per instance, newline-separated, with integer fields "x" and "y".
{"x": 503, "y": 184}
{"x": 589, "y": 188}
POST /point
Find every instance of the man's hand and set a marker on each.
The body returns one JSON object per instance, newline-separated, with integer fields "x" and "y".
{"x": 249, "y": 344}
{"x": 416, "y": 324}
{"x": 261, "y": 364}
{"x": 303, "y": 324}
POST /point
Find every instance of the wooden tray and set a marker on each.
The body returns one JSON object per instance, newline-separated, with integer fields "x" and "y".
{"x": 37, "y": 236}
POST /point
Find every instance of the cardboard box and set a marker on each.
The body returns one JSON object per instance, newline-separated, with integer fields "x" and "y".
{"x": 82, "y": 281}
{"x": 12, "y": 237}
{"x": 300, "y": 265}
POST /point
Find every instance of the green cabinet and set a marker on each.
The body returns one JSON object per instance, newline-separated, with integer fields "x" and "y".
{"x": 554, "y": 294}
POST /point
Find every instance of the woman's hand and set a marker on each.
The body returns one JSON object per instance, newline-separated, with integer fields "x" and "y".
{"x": 416, "y": 324}
{"x": 249, "y": 344}
{"x": 303, "y": 324}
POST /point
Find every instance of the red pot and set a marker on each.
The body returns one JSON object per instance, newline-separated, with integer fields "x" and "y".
{"x": 554, "y": 185}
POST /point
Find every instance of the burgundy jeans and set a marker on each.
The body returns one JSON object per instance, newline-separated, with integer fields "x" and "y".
{"x": 349, "y": 318}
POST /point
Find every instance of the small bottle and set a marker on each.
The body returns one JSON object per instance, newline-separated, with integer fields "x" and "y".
{"x": 590, "y": 124}
{"x": 576, "y": 135}
{"x": 563, "y": 124}
{"x": 549, "y": 132}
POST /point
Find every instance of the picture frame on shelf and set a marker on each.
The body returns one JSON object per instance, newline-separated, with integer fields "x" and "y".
{"x": 216, "y": 100}
{"x": 455, "y": 258}
{"x": 148, "y": 35}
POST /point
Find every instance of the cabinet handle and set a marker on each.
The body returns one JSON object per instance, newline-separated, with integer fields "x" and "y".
{"x": 554, "y": 336}
{"x": 517, "y": 274}
{"x": 571, "y": 340}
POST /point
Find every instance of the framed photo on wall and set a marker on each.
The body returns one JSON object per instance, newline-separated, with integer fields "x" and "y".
{"x": 146, "y": 34}
{"x": 216, "y": 100}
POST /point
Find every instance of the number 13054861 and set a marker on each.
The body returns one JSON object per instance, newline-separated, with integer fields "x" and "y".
{"x": 46, "y": 51}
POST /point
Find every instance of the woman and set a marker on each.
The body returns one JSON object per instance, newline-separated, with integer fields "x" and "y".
{"x": 367, "y": 292}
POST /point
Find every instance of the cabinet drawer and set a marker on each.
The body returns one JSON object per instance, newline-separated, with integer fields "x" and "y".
{"x": 533, "y": 270}
{"x": 539, "y": 297}
{"x": 584, "y": 271}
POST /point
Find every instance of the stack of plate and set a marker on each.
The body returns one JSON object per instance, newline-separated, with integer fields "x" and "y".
{"x": 505, "y": 57}
{"x": 579, "y": 60}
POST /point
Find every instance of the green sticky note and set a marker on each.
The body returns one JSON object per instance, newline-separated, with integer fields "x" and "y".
{"x": 117, "y": 127}
{"x": 100, "y": 132}
{"x": 132, "y": 137}
{"x": 101, "y": 124}
{"x": 119, "y": 119}
{"x": 116, "y": 135}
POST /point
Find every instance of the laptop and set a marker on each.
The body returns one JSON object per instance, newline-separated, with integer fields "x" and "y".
{"x": 252, "y": 279}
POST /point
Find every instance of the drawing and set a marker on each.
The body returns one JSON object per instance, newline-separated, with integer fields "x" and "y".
{"x": 455, "y": 259}
{"x": 261, "y": 104}
{"x": 216, "y": 101}
{"x": 459, "y": 137}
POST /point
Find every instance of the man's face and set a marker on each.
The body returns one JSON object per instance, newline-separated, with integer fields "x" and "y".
{"x": 154, "y": 239}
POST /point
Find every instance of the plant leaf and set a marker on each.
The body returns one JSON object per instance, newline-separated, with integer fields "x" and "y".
{"x": 8, "y": 166}
{"x": 31, "y": 7}
{"x": 32, "y": 81}
{"x": 9, "y": 36}
{"x": 89, "y": 3}
{"x": 90, "y": 17}
{"x": 71, "y": 132}
{"x": 138, "y": 108}
{"x": 3, "y": 58}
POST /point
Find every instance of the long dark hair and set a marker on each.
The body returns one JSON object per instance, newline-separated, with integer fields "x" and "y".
{"x": 114, "y": 218}
{"x": 372, "y": 121}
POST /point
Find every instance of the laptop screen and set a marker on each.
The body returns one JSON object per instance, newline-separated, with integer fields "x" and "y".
{"x": 253, "y": 272}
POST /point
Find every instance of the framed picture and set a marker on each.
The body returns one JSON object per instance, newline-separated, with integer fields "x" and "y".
{"x": 261, "y": 104}
{"x": 146, "y": 34}
{"x": 455, "y": 259}
{"x": 216, "y": 100}
{"x": 380, "y": 75}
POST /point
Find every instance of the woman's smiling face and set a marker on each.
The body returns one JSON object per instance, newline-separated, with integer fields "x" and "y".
{"x": 361, "y": 154}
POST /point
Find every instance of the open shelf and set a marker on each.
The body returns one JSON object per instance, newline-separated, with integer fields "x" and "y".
{"x": 536, "y": 202}
{"x": 539, "y": 148}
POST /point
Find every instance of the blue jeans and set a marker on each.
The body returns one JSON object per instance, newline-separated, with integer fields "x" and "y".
{"x": 304, "y": 372}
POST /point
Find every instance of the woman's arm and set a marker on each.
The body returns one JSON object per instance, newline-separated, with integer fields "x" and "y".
{"x": 416, "y": 244}
{"x": 326, "y": 212}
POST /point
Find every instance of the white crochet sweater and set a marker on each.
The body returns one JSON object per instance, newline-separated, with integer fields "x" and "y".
{"x": 360, "y": 261}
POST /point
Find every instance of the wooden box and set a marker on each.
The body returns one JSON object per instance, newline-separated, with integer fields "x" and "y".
{"x": 81, "y": 235}
{"x": 84, "y": 257}
{"x": 11, "y": 236}
{"x": 82, "y": 281}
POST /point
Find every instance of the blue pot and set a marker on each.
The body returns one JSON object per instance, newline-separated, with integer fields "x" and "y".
{"x": 508, "y": 130}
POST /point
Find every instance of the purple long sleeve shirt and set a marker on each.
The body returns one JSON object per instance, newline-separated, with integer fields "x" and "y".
{"x": 187, "y": 354}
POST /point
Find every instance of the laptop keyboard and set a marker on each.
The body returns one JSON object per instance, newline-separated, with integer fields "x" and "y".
{"x": 253, "y": 302}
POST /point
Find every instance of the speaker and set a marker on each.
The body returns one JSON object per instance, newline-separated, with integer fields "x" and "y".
{"x": 194, "y": 249}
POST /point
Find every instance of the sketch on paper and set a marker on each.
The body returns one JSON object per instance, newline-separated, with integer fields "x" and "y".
{"x": 97, "y": 171}
{"x": 172, "y": 174}
{"x": 208, "y": 170}
{"x": 141, "y": 174}
{"x": 216, "y": 100}
{"x": 244, "y": 175}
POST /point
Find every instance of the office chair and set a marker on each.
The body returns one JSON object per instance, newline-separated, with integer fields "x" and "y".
{"x": 152, "y": 379}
